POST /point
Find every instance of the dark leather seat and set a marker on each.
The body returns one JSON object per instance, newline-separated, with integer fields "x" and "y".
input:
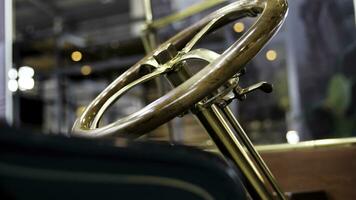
{"x": 34, "y": 166}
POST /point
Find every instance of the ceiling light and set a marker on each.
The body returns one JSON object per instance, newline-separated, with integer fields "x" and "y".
{"x": 292, "y": 137}
{"x": 271, "y": 55}
{"x": 26, "y": 83}
{"x": 26, "y": 71}
{"x": 12, "y": 74}
{"x": 80, "y": 110}
{"x": 239, "y": 27}
{"x": 86, "y": 70}
{"x": 76, "y": 56}
{"x": 12, "y": 85}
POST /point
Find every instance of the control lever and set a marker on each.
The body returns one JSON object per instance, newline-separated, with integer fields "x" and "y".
{"x": 241, "y": 93}
{"x": 234, "y": 91}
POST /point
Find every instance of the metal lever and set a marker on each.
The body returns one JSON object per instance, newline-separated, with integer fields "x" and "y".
{"x": 242, "y": 92}
{"x": 233, "y": 91}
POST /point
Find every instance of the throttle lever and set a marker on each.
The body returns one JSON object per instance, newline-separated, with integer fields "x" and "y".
{"x": 242, "y": 92}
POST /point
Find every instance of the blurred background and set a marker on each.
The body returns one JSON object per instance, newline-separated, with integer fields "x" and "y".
{"x": 57, "y": 56}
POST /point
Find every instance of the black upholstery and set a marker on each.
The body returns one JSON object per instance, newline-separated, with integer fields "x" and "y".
{"x": 34, "y": 166}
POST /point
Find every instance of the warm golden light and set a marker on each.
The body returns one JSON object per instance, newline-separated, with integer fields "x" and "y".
{"x": 271, "y": 55}
{"x": 76, "y": 56}
{"x": 86, "y": 70}
{"x": 239, "y": 27}
{"x": 79, "y": 111}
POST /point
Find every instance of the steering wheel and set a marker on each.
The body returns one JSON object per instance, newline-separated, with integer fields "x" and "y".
{"x": 168, "y": 58}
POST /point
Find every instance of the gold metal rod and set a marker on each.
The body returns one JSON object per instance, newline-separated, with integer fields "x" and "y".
{"x": 250, "y": 148}
{"x": 148, "y": 10}
{"x": 148, "y": 37}
{"x": 224, "y": 137}
{"x": 149, "y": 40}
{"x": 192, "y": 10}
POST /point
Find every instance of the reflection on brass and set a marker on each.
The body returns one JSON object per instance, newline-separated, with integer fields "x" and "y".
{"x": 192, "y": 91}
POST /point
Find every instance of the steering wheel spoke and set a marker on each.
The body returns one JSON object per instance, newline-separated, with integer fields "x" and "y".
{"x": 155, "y": 73}
{"x": 199, "y": 35}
